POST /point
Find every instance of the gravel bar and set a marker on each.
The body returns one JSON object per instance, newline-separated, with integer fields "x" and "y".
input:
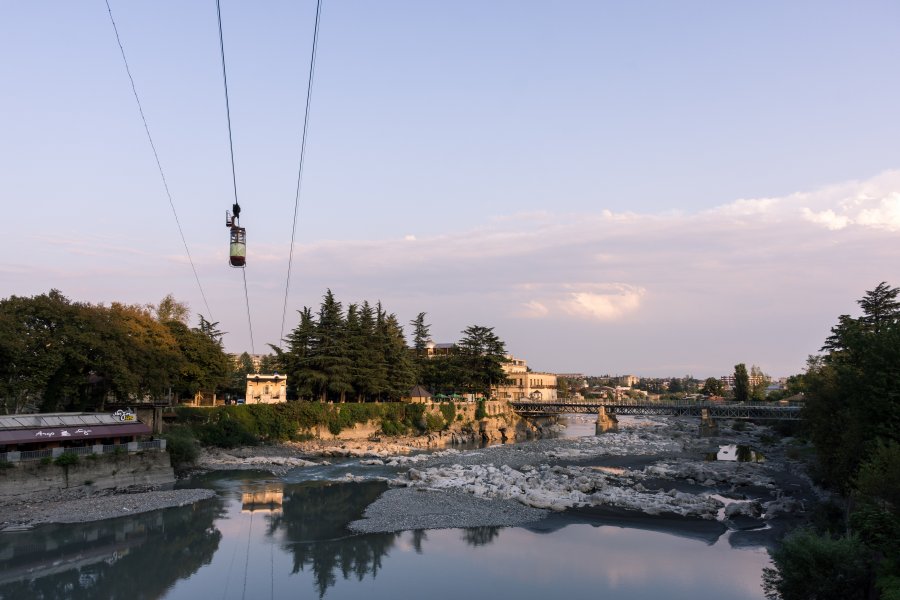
{"x": 23, "y": 515}
{"x": 403, "y": 509}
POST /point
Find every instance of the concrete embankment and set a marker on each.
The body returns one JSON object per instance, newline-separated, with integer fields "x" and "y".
{"x": 91, "y": 473}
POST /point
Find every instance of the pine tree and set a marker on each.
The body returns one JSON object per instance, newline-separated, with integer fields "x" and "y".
{"x": 421, "y": 334}
{"x": 372, "y": 370}
{"x": 741, "y": 383}
{"x": 305, "y": 380}
{"x": 398, "y": 360}
{"x": 332, "y": 358}
{"x": 481, "y": 358}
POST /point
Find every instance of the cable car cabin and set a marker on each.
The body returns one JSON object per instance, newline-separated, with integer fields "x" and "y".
{"x": 238, "y": 252}
{"x": 238, "y": 245}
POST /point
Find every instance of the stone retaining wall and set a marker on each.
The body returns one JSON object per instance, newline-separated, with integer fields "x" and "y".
{"x": 92, "y": 472}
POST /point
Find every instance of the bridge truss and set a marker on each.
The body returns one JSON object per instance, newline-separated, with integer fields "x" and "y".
{"x": 716, "y": 410}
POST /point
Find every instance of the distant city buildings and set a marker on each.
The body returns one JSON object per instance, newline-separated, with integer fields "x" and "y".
{"x": 728, "y": 380}
{"x": 256, "y": 359}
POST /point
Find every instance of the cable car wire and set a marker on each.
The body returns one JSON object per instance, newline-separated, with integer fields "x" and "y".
{"x": 162, "y": 175}
{"x": 247, "y": 301}
{"x": 231, "y": 150}
{"x": 227, "y": 104}
{"x": 312, "y": 69}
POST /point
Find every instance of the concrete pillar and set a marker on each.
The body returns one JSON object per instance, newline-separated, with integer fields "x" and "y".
{"x": 708, "y": 425}
{"x": 605, "y": 422}
{"x": 13, "y": 456}
{"x": 132, "y": 446}
{"x": 97, "y": 449}
{"x": 157, "y": 420}
{"x": 162, "y": 445}
{"x": 56, "y": 452}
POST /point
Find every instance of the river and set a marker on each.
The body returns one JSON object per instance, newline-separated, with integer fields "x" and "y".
{"x": 269, "y": 537}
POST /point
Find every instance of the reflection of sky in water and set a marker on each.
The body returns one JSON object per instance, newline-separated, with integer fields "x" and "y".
{"x": 269, "y": 540}
{"x": 576, "y": 561}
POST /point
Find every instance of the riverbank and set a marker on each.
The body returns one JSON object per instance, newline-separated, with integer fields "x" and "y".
{"x": 656, "y": 468}
{"x": 78, "y": 506}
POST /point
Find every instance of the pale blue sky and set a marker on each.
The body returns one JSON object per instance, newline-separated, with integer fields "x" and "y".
{"x": 506, "y": 124}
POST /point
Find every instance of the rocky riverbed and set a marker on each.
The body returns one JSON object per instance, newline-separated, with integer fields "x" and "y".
{"x": 652, "y": 467}
{"x": 656, "y": 468}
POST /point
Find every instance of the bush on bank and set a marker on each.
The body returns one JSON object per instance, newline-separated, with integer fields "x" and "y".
{"x": 231, "y": 426}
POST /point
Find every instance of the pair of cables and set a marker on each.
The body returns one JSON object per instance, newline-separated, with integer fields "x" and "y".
{"x": 231, "y": 154}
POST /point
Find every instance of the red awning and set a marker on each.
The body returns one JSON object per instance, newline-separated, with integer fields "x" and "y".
{"x": 63, "y": 434}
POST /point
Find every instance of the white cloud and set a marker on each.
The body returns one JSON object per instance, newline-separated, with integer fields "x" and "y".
{"x": 883, "y": 215}
{"x": 533, "y": 310}
{"x": 604, "y": 306}
{"x": 828, "y": 218}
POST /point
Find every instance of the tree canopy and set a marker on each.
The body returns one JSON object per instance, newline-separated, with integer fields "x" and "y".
{"x": 361, "y": 353}
{"x": 56, "y": 354}
{"x": 852, "y": 415}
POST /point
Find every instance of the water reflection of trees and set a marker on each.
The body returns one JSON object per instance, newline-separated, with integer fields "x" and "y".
{"x": 480, "y": 536}
{"x": 136, "y": 557}
{"x": 314, "y": 522}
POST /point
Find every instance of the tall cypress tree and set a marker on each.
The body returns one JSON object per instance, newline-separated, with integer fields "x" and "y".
{"x": 372, "y": 370}
{"x": 305, "y": 379}
{"x": 741, "y": 383}
{"x": 400, "y": 368}
{"x": 421, "y": 334}
{"x": 333, "y": 359}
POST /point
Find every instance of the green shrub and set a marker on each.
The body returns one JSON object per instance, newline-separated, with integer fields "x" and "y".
{"x": 434, "y": 422}
{"x": 46, "y": 460}
{"x": 808, "y": 565}
{"x": 228, "y": 426}
{"x": 181, "y": 446}
{"x": 448, "y": 409}
{"x": 480, "y": 411}
{"x": 5, "y": 464}
{"x": 390, "y": 427}
{"x": 66, "y": 459}
{"x": 227, "y": 433}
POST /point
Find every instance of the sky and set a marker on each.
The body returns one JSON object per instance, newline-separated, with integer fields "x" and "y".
{"x": 653, "y": 188}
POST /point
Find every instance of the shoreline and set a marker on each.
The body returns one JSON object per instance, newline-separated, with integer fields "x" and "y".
{"x": 79, "y": 507}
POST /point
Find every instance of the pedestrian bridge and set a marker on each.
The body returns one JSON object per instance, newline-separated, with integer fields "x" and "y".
{"x": 644, "y": 408}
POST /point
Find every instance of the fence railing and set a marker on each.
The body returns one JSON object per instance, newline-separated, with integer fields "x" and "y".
{"x": 51, "y": 453}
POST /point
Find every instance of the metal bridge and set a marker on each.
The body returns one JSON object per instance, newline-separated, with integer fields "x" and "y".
{"x": 644, "y": 408}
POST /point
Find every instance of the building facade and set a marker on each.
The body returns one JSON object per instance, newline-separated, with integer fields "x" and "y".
{"x": 266, "y": 389}
{"x": 525, "y": 384}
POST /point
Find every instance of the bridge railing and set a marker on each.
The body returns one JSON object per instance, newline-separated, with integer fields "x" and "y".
{"x": 663, "y": 403}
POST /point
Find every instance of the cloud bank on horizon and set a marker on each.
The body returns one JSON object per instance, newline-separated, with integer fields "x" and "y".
{"x": 754, "y": 280}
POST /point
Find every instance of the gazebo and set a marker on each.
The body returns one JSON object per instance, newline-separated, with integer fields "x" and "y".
{"x": 419, "y": 394}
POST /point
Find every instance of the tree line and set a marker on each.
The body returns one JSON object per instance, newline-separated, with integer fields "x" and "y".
{"x": 56, "y": 354}
{"x": 360, "y": 354}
